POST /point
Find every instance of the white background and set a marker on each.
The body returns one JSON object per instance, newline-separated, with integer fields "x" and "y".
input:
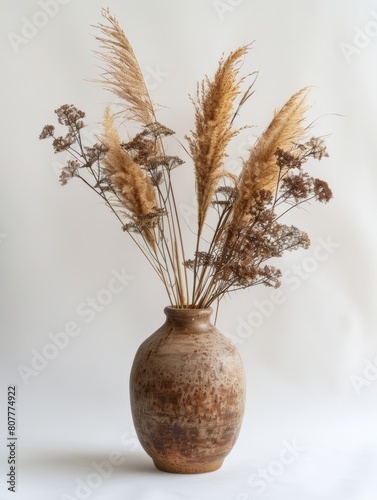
{"x": 305, "y": 357}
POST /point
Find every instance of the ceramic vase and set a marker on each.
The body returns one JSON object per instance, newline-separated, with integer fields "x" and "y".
{"x": 187, "y": 390}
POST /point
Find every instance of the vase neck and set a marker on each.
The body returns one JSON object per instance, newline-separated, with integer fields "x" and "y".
{"x": 188, "y": 318}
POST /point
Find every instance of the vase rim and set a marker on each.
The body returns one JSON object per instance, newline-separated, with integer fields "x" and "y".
{"x": 185, "y": 317}
{"x": 188, "y": 310}
{"x": 189, "y": 314}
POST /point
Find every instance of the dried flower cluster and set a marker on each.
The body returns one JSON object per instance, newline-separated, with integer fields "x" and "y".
{"x": 134, "y": 178}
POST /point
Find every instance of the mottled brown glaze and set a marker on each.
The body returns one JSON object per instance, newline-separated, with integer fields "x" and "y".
{"x": 187, "y": 391}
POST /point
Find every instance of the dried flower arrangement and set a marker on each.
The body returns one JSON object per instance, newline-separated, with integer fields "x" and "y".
{"x": 134, "y": 178}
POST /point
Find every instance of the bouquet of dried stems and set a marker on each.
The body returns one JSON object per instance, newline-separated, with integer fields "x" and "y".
{"x": 134, "y": 177}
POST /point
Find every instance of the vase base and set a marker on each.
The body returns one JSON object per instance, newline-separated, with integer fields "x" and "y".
{"x": 179, "y": 468}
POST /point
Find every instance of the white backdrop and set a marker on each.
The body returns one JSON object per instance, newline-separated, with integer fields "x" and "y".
{"x": 310, "y": 357}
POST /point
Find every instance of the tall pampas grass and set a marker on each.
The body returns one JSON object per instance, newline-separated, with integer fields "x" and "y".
{"x": 213, "y": 120}
{"x": 260, "y": 170}
{"x": 135, "y": 177}
{"x": 133, "y": 186}
{"x": 122, "y": 74}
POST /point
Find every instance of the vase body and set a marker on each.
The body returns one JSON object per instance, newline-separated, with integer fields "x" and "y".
{"x": 187, "y": 390}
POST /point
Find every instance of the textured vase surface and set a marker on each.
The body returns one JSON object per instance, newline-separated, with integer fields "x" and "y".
{"x": 187, "y": 390}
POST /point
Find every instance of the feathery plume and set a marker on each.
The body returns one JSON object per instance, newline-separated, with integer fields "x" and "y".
{"x": 134, "y": 178}
{"x": 123, "y": 76}
{"x": 132, "y": 185}
{"x": 213, "y": 132}
{"x": 260, "y": 170}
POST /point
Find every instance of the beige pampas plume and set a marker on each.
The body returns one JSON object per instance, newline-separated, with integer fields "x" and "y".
{"x": 260, "y": 170}
{"x": 132, "y": 185}
{"x": 213, "y": 131}
{"x": 123, "y": 76}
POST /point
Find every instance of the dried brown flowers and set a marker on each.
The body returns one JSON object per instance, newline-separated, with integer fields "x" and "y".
{"x": 134, "y": 178}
